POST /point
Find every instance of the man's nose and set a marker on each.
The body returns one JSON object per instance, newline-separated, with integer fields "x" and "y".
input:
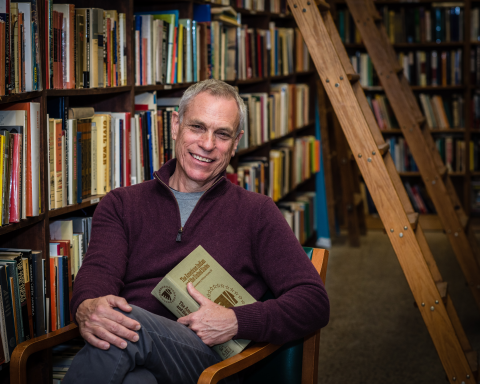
{"x": 207, "y": 141}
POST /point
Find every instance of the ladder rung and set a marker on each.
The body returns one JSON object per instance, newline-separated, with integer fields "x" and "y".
{"x": 443, "y": 289}
{"x": 421, "y": 121}
{"x": 353, "y": 77}
{"x": 357, "y": 199}
{"x": 464, "y": 221}
{"x": 442, "y": 171}
{"x": 383, "y": 148}
{"x": 398, "y": 69}
{"x": 376, "y": 16}
{"x": 413, "y": 219}
{"x": 322, "y": 5}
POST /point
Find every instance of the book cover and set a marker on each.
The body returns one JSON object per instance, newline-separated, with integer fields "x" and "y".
{"x": 212, "y": 281}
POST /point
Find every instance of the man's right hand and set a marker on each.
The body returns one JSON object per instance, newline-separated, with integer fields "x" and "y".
{"x": 101, "y": 325}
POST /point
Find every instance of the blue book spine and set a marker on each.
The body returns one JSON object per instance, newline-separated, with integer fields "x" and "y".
{"x": 61, "y": 297}
{"x": 150, "y": 142}
{"x": 194, "y": 50}
{"x": 79, "y": 167}
{"x": 120, "y": 133}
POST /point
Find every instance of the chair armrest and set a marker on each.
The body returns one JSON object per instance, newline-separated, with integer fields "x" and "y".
{"x": 237, "y": 363}
{"x": 18, "y": 361}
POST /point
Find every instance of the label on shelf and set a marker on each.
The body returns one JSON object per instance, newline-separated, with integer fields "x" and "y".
{"x": 94, "y": 201}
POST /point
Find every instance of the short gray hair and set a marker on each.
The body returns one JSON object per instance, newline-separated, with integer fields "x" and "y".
{"x": 215, "y": 88}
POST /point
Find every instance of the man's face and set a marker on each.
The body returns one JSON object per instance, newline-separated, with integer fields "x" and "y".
{"x": 206, "y": 139}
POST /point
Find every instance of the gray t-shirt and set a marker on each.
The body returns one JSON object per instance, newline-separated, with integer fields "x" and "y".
{"x": 186, "y": 203}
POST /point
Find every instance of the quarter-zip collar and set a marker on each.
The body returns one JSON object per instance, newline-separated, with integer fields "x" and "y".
{"x": 163, "y": 177}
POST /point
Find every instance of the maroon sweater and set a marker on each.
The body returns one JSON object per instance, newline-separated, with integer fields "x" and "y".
{"x": 133, "y": 246}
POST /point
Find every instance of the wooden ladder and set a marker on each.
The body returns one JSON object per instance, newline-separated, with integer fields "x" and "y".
{"x": 417, "y": 134}
{"x": 388, "y": 193}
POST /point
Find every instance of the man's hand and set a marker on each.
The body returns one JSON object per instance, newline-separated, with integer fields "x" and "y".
{"x": 213, "y": 323}
{"x": 101, "y": 325}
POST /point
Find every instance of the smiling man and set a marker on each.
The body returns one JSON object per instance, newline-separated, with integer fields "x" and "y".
{"x": 142, "y": 232}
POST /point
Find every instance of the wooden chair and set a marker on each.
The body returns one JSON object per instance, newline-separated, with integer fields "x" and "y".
{"x": 298, "y": 358}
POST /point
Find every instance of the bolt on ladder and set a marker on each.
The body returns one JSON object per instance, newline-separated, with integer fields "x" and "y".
{"x": 388, "y": 193}
{"x": 417, "y": 134}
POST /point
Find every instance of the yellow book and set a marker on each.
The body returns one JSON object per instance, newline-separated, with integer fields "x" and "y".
{"x": 2, "y": 152}
{"x": 101, "y": 124}
{"x": 180, "y": 54}
{"x": 391, "y": 24}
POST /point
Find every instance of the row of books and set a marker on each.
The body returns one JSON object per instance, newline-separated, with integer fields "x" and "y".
{"x": 401, "y": 155}
{"x": 19, "y": 162}
{"x": 214, "y": 44}
{"x": 290, "y": 163}
{"x": 272, "y": 115}
{"x": 86, "y": 47}
{"x": 443, "y": 113}
{"x": 300, "y": 214}
{"x": 434, "y": 68}
{"x": 20, "y": 69}
{"x": 417, "y": 194}
{"x": 453, "y": 152}
{"x": 362, "y": 64}
{"x": 419, "y": 198}
{"x": 442, "y": 23}
{"x": 383, "y": 112}
{"x": 475, "y": 24}
{"x": 69, "y": 241}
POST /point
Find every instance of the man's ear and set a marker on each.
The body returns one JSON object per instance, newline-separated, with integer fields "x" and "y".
{"x": 175, "y": 124}
{"x": 237, "y": 140}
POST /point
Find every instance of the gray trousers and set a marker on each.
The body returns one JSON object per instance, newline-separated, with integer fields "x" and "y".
{"x": 166, "y": 352}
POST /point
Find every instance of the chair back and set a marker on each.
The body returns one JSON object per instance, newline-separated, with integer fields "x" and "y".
{"x": 288, "y": 364}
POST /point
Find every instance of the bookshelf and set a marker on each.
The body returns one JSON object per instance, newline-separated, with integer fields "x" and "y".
{"x": 466, "y": 89}
{"x": 33, "y": 233}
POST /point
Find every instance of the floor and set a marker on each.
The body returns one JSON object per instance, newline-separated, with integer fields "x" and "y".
{"x": 375, "y": 334}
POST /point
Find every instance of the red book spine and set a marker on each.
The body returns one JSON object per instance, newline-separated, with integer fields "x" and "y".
{"x": 128, "y": 150}
{"x": 259, "y": 55}
{"x": 109, "y": 57}
{"x": 174, "y": 57}
{"x": 15, "y": 180}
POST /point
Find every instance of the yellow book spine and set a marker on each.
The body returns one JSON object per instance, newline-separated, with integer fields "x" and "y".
{"x": 180, "y": 54}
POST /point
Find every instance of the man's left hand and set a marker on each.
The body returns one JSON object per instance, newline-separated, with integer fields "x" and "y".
{"x": 213, "y": 323}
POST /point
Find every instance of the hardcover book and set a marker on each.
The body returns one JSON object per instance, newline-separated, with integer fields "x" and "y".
{"x": 212, "y": 281}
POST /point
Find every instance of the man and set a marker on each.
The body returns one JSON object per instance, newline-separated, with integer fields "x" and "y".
{"x": 142, "y": 232}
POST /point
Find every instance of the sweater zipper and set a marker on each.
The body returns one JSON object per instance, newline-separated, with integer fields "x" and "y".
{"x": 180, "y": 231}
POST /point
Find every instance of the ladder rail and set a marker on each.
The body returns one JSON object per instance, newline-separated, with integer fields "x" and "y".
{"x": 382, "y": 189}
{"x": 401, "y": 99}
{"x": 379, "y": 139}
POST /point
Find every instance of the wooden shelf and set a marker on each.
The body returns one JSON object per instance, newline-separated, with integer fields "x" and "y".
{"x": 417, "y": 88}
{"x": 88, "y": 91}
{"x": 291, "y": 194}
{"x": 16, "y": 97}
{"x": 246, "y": 151}
{"x": 89, "y": 201}
{"x": 22, "y": 224}
{"x": 417, "y": 174}
{"x": 452, "y": 44}
{"x": 432, "y": 131}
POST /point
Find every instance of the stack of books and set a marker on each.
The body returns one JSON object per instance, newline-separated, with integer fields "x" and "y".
{"x": 86, "y": 47}
{"x": 300, "y": 215}
{"x": 23, "y": 298}
{"x": 440, "y": 23}
{"x": 20, "y": 69}
{"x": 214, "y": 44}
{"x": 383, "y": 112}
{"x": 275, "y": 114}
{"x": 401, "y": 155}
{"x": 419, "y": 198}
{"x": 19, "y": 162}
{"x": 363, "y": 66}
{"x": 432, "y": 68}
{"x": 443, "y": 113}
{"x": 453, "y": 153}
{"x": 69, "y": 241}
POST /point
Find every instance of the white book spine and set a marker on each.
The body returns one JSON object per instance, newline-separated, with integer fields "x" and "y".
{"x": 69, "y": 134}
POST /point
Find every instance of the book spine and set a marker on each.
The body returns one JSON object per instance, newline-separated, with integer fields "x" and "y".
{"x": 7, "y": 310}
{"x": 15, "y": 180}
